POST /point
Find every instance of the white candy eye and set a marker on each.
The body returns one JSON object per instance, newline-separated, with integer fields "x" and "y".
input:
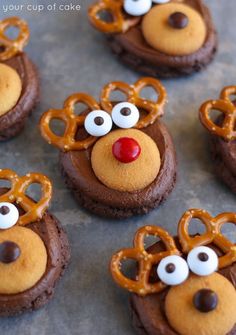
{"x": 98, "y": 123}
{"x": 9, "y": 215}
{"x": 125, "y": 115}
{"x": 173, "y": 270}
{"x": 202, "y": 261}
{"x": 137, "y": 7}
{"x": 160, "y": 1}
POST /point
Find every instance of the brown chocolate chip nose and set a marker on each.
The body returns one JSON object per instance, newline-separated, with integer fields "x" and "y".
{"x": 178, "y": 20}
{"x": 9, "y": 252}
{"x": 205, "y": 300}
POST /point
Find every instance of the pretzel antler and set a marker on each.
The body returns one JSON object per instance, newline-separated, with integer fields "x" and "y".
{"x": 145, "y": 260}
{"x": 17, "y": 194}
{"x": 153, "y": 108}
{"x": 119, "y": 23}
{"x": 212, "y": 235}
{"x": 227, "y": 130}
{"x": 11, "y": 47}
{"x": 73, "y": 123}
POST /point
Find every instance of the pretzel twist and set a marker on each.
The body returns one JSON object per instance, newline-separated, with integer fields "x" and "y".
{"x": 17, "y": 194}
{"x": 72, "y": 122}
{"x": 154, "y": 109}
{"x": 227, "y": 130}
{"x": 119, "y": 23}
{"x": 145, "y": 260}
{"x": 11, "y": 47}
{"x": 212, "y": 235}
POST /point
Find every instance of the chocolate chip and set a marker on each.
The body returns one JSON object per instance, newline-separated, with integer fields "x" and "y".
{"x": 4, "y": 210}
{"x": 125, "y": 111}
{"x": 205, "y": 300}
{"x": 9, "y": 252}
{"x": 170, "y": 268}
{"x": 178, "y": 20}
{"x": 203, "y": 257}
{"x": 99, "y": 121}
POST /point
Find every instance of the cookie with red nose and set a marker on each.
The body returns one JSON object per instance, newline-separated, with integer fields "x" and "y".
{"x": 19, "y": 83}
{"x": 118, "y": 158}
{"x": 159, "y": 38}
{"x": 222, "y": 130}
{"x": 184, "y": 285}
{"x": 34, "y": 250}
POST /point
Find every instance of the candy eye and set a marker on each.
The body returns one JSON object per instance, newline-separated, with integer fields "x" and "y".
{"x": 125, "y": 115}
{"x": 137, "y": 7}
{"x": 173, "y": 270}
{"x": 202, "y": 261}
{"x": 98, "y": 123}
{"x": 160, "y": 1}
{"x": 9, "y": 215}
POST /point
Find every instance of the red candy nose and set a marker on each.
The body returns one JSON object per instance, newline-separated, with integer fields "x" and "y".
{"x": 126, "y": 150}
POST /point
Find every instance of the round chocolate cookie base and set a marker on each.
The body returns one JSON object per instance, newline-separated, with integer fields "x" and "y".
{"x": 13, "y": 122}
{"x": 132, "y": 49}
{"x": 224, "y": 159}
{"x": 57, "y": 245}
{"x": 94, "y": 196}
{"x": 148, "y": 313}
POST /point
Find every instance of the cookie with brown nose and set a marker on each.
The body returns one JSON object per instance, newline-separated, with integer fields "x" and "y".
{"x": 19, "y": 83}
{"x": 159, "y": 38}
{"x": 184, "y": 285}
{"x": 34, "y": 249}
{"x": 222, "y": 130}
{"x": 118, "y": 158}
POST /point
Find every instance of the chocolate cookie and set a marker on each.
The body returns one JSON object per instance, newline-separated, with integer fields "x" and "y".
{"x": 159, "y": 39}
{"x": 93, "y": 195}
{"x": 192, "y": 294}
{"x": 19, "y": 83}
{"x": 222, "y": 135}
{"x": 127, "y": 166}
{"x": 34, "y": 249}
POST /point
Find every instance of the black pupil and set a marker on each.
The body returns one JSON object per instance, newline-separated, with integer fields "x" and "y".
{"x": 203, "y": 257}
{"x": 170, "y": 268}
{"x": 125, "y": 111}
{"x": 98, "y": 120}
{"x": 4, "y": 210}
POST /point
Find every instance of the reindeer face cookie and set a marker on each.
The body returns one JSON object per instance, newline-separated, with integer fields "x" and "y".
{"x": 117, "y": 157}
{"x": 160, "y": 38}
{"x": 19, "y": 85}
{"x": 184, "y": 285}
{"x": 223, "y": 134}
{"x": 34, "y": 249}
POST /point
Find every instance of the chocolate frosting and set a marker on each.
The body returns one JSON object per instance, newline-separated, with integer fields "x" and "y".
{"x": 134, "y": 50}
{"x": 148, "y": 313}
{"x": 227, "y": 151}
{"x": 77, "y": 166}
{"x": 57, "y": 246}
{"x": 13, "y": 121}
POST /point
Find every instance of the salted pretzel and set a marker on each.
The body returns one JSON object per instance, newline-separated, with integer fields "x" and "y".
{"x": 145, "y": 260}
{"x": 17, "y": 194}
{"x": 119, "y": 23}
{"x": 212, "y": 235}
{"x": 11, "y": 47}
{"x": 154, "y": 109}
{"x": 68, "y": 141}
{"x": 73, "y": 123}
{"x": 227, "y": 130}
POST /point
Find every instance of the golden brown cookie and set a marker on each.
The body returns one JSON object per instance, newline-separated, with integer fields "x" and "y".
{"x": 189, "y": 320}
{"x": 29, "y": 267}
{"x": 10, "y": 88}
{"x": 126, "y": 177}
{"x": 163, "y": 37}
